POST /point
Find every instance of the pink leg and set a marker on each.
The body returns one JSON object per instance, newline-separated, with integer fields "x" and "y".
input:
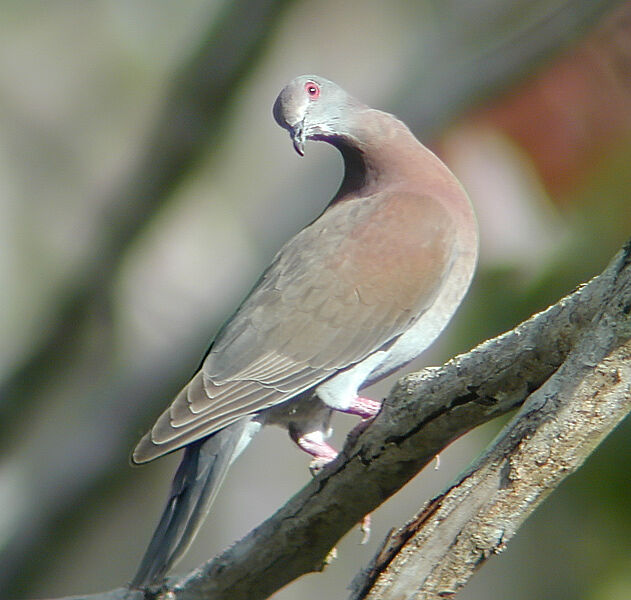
{"x": 363, "y": 407}
{"x": 366, "y": 409}
{"x": 313, "y": 443}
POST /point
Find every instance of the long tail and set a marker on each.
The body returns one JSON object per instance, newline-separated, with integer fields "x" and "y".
{"x": 194, "y": 488}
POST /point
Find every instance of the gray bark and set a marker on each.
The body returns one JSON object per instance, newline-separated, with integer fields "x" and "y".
{"x": 568, "y": 367}
{"x": 556, "y": 429}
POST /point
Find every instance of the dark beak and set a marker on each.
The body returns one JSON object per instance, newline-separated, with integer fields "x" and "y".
{"x": 297, "y": 133}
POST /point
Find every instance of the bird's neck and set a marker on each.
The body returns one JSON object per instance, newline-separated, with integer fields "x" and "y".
{"x": 359, "y": 174}
{"x": 381, "y": 153}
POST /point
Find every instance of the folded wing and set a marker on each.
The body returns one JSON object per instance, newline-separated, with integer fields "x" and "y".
{"x": 347, "y": 285}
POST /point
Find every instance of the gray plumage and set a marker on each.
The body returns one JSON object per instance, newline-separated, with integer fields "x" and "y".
{"x": 195, "y": 485}
{"x": 354, "y": 296}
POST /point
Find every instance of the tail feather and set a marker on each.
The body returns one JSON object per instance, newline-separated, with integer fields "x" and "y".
{"x": 194, "y": 488}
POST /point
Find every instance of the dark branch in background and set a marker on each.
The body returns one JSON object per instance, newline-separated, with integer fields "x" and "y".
{"x": 467, "y": 71}
{"x": 192, "y": 119}
{"x": 569, "y": 363}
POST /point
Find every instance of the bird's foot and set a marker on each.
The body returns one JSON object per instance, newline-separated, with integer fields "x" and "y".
{"x": 367, "y": 409}
{"x": 363, "y": 407}
{"x": 313, "y": 443}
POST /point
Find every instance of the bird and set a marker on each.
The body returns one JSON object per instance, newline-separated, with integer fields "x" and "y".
{"x": 354, "y": 296}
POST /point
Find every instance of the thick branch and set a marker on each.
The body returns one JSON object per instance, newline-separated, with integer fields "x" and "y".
{"x": 556, "y": 429}
{"x": 423, "y": 414}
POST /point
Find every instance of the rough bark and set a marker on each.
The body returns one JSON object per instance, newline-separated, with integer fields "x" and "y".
{"x": 567, "y": 366}
{"x": 556, "y": 429}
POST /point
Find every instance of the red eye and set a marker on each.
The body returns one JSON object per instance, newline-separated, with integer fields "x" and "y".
{"x": 312, "y": 89}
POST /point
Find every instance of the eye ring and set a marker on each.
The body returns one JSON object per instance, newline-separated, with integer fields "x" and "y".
{"x": 312, "y": 89}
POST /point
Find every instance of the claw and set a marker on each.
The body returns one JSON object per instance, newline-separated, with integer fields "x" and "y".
{"x": 364, "y": 527}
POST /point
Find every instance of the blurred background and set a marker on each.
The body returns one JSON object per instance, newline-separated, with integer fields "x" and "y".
{"x": 144, "y": 186}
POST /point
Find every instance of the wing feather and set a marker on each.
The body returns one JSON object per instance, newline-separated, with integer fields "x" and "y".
{"x": 344, "y": 287}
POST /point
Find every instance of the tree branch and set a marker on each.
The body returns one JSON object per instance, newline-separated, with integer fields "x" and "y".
{"x": 422, "y": 415}
{"x": 556, "y": 429}
{"x": 568, "y": 362}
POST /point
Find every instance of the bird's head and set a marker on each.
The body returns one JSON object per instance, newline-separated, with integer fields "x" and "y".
{"x": 312, "y": 107}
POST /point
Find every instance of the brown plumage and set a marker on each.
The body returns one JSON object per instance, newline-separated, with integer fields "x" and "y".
{"x": 355, "y": 295}
{"x": 338, "y": 291}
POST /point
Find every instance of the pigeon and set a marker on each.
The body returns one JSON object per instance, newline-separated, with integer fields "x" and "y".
{"x": 353, "y": 297}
